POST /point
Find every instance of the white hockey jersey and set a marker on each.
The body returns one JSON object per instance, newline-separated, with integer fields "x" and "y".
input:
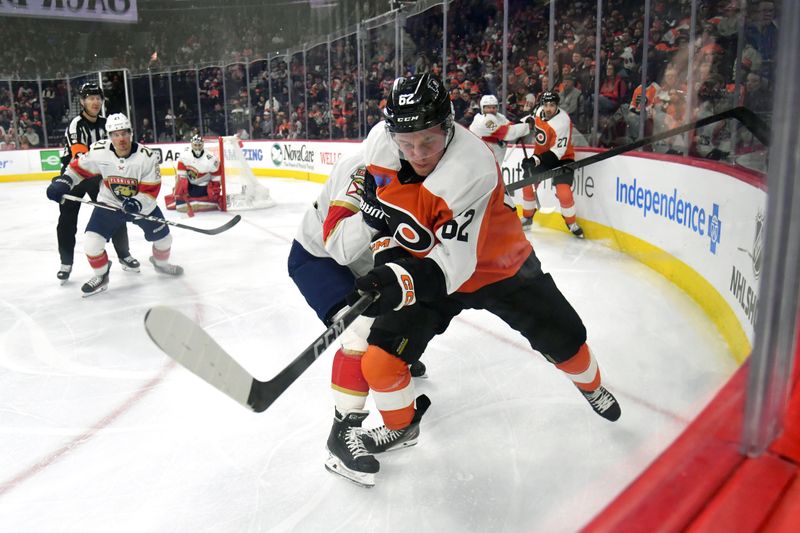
{"x": 135, "y": 176}
{"x": 198, "y": 170}
{"x": 333, "y": 227}
{"x": 495, "y": 130}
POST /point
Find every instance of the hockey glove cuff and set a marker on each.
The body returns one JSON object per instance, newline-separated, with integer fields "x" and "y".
{"x": 59, "y": 186}
{"x": 396, "y": 285}
{"x": 385, "y": 249}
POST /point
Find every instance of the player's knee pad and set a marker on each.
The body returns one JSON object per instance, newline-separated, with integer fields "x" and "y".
{"x": 383, "y": 371}
{"x": 564, "y": 195}
{"x": 163, "y": 244}
{"x": 93, "y": 244}
{"x": 354, "y": 338}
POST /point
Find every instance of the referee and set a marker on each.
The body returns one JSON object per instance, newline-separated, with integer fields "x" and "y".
{"x": 84, "y": 130}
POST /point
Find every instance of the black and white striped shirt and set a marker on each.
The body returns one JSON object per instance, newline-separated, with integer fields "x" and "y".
{"x": 80, "y": 135}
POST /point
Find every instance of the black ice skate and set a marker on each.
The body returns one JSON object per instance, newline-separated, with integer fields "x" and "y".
{"x": 96, "y": 283}
{"x": 172, "y": 270}
{"x": 130, "y": 264}
{"x": 347, "y": 456}
{"x": 576, "y": 230}
{"x": 603, "y": 403}
{"x": 63, "y": 273}
{"x": 418, "y": 369}
{"x": 383, "y": 439}
{"x": 527, "y": 222}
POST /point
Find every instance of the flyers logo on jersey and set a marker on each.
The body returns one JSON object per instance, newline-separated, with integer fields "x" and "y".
{"x": 408, "y": 232}
{"x": 122, "y": 187}
{"x": 539, "y": 135}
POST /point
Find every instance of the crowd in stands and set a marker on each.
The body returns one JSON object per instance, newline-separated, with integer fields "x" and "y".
{"x": 297, "y": 97}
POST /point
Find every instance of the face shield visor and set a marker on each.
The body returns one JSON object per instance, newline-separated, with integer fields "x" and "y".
{"x": 423, "y": 149}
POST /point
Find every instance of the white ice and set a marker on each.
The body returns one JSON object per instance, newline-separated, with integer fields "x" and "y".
{"x": 99, "y": 431}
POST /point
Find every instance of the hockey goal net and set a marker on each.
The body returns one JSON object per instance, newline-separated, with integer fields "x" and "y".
{"x": 240, "y": 188}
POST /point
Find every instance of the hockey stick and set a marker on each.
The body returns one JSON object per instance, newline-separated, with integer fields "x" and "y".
{"x": 188, "y": 344}
{"x": 228, "y": 225}
{"x": 537, "y": 205}
{"x": 750, "y": 120}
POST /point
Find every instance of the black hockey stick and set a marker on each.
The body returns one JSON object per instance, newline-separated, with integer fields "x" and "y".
{"x": 750, "y": 120}
{"x": 188, "y": 344}
{"x": 228, "y": 225}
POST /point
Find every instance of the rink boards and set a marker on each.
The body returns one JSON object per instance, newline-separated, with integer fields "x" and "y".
{"x": 698, "y": 223}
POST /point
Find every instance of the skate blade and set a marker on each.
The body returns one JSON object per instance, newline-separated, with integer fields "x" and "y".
{"x": 131, "y": 269}
{"x": 362, "y": 479}
{"x": 63, "y": 282}
{"x": 98, "y": 291}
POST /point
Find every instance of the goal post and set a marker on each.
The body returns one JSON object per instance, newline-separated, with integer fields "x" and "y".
{"x": 239, "y": 187}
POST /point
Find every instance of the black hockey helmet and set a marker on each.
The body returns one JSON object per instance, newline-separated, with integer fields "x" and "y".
{"x": 549, "y": 96}
{"x": 417, "y": 103}
{"x": 90, "y": 88}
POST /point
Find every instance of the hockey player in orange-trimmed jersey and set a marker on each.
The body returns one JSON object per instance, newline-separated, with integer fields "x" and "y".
{"x": 552, "y": 134}
{"x": 460, "y": 245}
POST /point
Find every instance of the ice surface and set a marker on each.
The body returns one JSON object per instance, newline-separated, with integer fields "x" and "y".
{"x": 99, "y": 431}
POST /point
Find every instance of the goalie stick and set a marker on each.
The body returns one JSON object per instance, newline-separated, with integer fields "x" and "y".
{"x": 750, "y": 120}
{"x": 213, "y": 231}
{"x": 188, "y": 344}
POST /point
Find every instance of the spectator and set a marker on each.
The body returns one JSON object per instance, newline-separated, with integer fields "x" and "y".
{"x": 569, "y": 95}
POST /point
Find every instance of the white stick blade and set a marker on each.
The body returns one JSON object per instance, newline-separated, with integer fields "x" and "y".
{"x": 186, "y": 342}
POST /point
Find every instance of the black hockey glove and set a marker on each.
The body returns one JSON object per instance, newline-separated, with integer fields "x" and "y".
{"x": 371, "y": 209}
{"x": 529, "y": 165}
{"x": 131, "y": 206}
{"x": 393, "y": 284}
{"x": 59, "y": 186}
{"x": 399, "y": 284}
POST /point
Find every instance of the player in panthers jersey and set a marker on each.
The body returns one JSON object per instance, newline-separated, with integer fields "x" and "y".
{"x": 131, "y": 182}
{"x": 552, "y": 135}
{"x": 82, "y": 131}
{"x": 197, "y": 182}
{"x": 495, "y": 129}
{"x": 447, "y": 210}
{"x": 330, "y": 250}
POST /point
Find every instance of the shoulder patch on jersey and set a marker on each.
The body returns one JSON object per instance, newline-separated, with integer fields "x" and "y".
{"x": 490, "y": 124}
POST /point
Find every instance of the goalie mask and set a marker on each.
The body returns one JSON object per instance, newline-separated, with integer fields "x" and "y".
{"x": 197, "y": 146}
{"x": 419, "y": 117}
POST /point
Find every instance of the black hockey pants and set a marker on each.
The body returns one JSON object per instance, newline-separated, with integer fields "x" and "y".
{"x": 68, "y": 223}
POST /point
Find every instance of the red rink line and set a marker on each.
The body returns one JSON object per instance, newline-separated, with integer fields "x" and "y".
{"x": 85, "y": 437}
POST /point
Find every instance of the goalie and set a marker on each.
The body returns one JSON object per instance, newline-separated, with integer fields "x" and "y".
{"x": 198, "y": 182}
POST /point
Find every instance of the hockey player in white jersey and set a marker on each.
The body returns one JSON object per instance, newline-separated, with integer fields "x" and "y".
{"x": 198, "y": 180}
{"x": 495, "y": 129}
{"x": 331, "y": 249}
{"x": 131, "y": 182}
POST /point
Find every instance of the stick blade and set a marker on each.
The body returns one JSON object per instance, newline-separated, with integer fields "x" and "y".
{"x": 187, "y": 343}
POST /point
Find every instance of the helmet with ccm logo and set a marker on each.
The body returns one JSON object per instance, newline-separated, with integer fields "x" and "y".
{"x": 417, "y": 103}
